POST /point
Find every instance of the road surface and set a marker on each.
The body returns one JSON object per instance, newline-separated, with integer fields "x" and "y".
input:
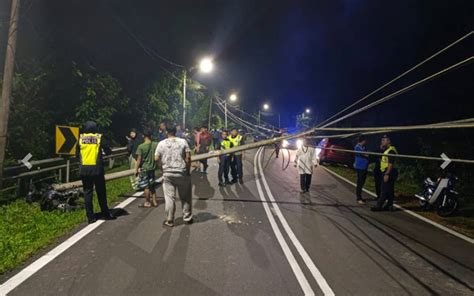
{"x": 262, "y": 238}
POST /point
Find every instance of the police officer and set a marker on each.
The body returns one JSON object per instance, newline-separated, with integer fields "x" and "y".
{"x": 390, "y": 174}
{"x": 91, "y": 170}
{"x": 236, "y": 163}
{"x": 224, "y": 159}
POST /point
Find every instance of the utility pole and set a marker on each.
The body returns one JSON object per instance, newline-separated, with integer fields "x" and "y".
{"x": 210, "y": 113}
{"x": 184, "y": 100}
{"x": 7, "y": 81}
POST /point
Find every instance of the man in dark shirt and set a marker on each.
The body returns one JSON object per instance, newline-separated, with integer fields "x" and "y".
{"x": 133, "y": 141}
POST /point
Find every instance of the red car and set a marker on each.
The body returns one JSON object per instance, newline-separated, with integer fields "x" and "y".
{"x": 333, "y": 156}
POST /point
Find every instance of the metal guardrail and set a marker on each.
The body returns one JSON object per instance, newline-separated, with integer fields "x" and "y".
{"x": 57, "y": 164}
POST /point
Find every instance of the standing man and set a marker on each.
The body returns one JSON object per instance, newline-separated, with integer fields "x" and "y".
{"x": 174, "y": 156}
{"x": 133, "y": 141}
{"x": 390, "y": 175}
{"x": 377, "y": 172}
{"x": 205, "y": 140}
{"x": 91, "y": 170}
{"x": 162, "y": 132}
{"x": 224, "y": 159}
{"x": 305, "y": 160}
{"x": 236, "y": 163}
{"x": 361, "y": 163}
{"x": 179, "y": 132}
{"x": 146, "y": 167}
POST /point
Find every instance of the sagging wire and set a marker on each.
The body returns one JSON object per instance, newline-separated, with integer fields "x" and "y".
{"x": 395, "y": 79}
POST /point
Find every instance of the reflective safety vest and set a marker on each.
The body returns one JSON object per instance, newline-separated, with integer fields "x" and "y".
{"x": 235, "y": 142}
{"x": 384, "y": 159}
{"x": 226, "y": 144}
{"x": 90, "y": 149}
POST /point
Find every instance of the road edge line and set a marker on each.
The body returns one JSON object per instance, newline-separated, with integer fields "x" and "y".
{"x": 34, "y": 267}
{"x": 315, "y": 272}
{"x": 298, "y": 272}
{"x": 433, "y": 223}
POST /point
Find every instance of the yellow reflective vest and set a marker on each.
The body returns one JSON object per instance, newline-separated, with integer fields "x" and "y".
{"x": 235, "y": 142}
{"x": 90, "y": 157}
{"x": 384, "y": 159}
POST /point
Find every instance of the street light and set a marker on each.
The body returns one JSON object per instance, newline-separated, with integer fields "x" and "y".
{"x": 232, "y": 98}
{"x": 206, "y": 65}
{"x": 265, "y": 106}
{"x": 308, "y": 110}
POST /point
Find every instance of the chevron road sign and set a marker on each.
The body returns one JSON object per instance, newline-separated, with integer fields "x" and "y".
{"x": 66, "y": 139}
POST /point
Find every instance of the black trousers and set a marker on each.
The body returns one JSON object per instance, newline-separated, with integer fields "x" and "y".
{"x": 388, "y": 190}
{"x": 361, "y": 177}
{"x": 378, "y": 178}
{"x": 236, "y": 167}
{"x": 277, "y": 150}
{"x": 224, "y": 165}
{"x": 88, "y": 183}
{"x": 305, "y": 181}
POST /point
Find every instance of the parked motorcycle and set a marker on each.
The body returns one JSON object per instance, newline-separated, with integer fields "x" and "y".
{"x": 50, "y": 199}
{"x": 440, "y": 195}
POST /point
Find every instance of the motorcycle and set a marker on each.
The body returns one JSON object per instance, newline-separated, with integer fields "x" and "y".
{"x": 439, "y": 195}
{"x": 50, "y": 199}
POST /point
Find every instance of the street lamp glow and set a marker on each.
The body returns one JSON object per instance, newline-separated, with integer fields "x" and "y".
{"x": 233, "y": 97}
{"x": 206, "y": 65}
{"x": 308, "y": 110}
{"x": 266, "y": 106}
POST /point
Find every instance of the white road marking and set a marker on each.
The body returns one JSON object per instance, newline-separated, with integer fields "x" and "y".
{"x": 437, "y": 225}
{"x": 31, "y": 269}
{"x": 286, "y": 249}
{"x": 306, "y": 258}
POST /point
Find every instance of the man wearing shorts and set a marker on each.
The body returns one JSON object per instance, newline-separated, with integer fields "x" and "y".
{"x": 146, "y": 167}
{"x": 174, "y": 156}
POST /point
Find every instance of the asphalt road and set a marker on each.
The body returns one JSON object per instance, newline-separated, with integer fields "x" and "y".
{"x": 262, "y": 238}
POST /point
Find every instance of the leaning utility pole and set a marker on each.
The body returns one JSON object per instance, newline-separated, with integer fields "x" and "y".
{"x": 7, "y": 81}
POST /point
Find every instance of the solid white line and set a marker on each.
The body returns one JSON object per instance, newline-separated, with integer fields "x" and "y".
{"x": 31, "y": 269}
{"x": 437, "y": 225}
{"x": 306, "y": 258}
{"x": 286, "y": 249}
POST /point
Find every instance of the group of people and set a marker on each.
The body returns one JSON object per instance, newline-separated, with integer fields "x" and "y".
{"x": 385, "y": 173}
{"x": 171, "y": 153}
{"x": 144, "y": 157}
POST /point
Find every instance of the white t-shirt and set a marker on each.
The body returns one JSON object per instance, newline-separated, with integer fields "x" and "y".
{"x": 172, "y": 152}
{"x": 306, "y": 159}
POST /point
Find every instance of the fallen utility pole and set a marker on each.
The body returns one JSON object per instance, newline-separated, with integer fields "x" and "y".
{"x": 7, "y": 81}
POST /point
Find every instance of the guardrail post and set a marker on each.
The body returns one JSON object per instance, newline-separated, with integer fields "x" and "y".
{"x": 60, "y": 175}
{"x": 67, "y": 170}
{"x": 111, "y": 162}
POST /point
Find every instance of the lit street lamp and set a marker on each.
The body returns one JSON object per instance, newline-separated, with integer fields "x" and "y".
{"x": 206, "y": 65}
{"x": 266, "y": 107}
{"x": 232, "y": 98}
{"x": 308, "y": 110}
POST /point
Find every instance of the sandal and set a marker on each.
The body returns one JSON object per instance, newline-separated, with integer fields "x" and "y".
{"x": 168, "y": 223}
{"x": 145, "y": 205}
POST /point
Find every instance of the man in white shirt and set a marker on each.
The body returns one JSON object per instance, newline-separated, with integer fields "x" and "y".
{"x": 174, "y": 156}
{"x": 305, "y": 161}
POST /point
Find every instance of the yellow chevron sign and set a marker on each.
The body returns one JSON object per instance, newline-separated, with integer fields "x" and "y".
{"x": 66, "y": 139}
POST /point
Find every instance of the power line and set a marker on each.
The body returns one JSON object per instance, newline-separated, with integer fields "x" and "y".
{"x": 398, "y": 77}
{"x": 403, "y": 90}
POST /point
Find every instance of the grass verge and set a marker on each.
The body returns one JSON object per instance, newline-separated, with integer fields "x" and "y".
{"x": 462, "y": 221}
{"x": 25, "y": 229}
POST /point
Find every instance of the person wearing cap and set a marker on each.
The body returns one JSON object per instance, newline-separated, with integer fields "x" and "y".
{"x": 236, "y": 166}
{"x": 91, "y": 170}
{"x": 223, "y": 159}
{"x": 361, "y": 163}
{"x": 390, "y": 174}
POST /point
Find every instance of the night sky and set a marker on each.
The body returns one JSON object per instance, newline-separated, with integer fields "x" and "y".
{"x": 293, "y": 54}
